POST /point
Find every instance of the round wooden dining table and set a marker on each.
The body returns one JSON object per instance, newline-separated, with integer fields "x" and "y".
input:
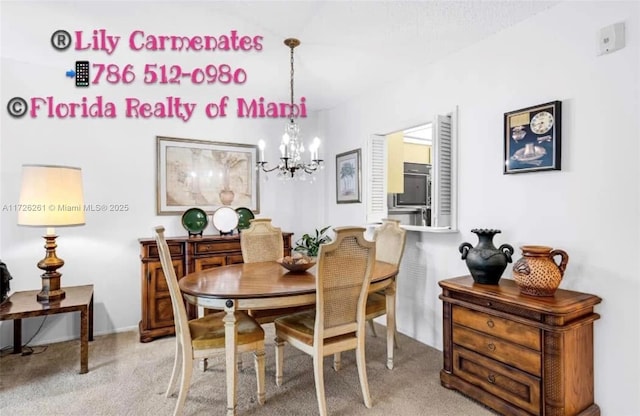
{"x": 268, "y": 285}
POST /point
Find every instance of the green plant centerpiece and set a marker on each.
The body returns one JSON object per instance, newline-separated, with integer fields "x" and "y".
{"x": 310, "y": 244}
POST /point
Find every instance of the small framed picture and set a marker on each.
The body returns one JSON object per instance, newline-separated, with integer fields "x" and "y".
{"x": 532, "y": 138}
{"x": 348, "y": 166}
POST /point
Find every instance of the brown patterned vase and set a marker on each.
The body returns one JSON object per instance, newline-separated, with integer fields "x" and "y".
{"x": 537, "y": 273}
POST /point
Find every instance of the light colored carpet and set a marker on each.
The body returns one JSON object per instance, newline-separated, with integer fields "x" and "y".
{"x": 127, "y": 377}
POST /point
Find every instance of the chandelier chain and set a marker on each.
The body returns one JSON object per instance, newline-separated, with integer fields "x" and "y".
{"x": 291, "y": 108}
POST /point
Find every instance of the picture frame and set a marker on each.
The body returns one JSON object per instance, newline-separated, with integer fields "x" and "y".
{"x": 348, "y": 177}
{"x": 532, "y": 138}
{"x": 205, "y": 174}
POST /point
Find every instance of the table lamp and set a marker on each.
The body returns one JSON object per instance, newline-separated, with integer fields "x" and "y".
{"x": 51, "y": 196}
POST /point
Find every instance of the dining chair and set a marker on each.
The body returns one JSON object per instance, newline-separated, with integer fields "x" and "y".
{"x": 390, "y": 240}
{"x": 204, "y": 337}
{"x": 343, "y": 276}
{"x": 263, "y": 242}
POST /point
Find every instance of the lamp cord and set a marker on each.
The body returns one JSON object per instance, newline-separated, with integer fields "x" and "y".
{"x": 29, "y": 351}
{"x": 36, "y": 333}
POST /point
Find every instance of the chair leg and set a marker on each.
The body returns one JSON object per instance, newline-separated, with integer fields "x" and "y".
{"x": 373, "y": 327}
{"x": 337, "y": 361}
{"x": 362, "y": 373}
{"x": 391, "y": 344}
{"x": 187, "y": 370}
{"x": 203, "y": 364}
{"x": 279, "y": 360}
{"x": 318, "y": 372}
{"x": 174, "y": 372}
{"x": 258, "y": 358}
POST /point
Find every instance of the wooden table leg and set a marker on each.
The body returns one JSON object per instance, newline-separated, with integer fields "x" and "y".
{"x": 84, "y": 340}
{"x": 91, "y": 319}
{"x": 230, "y": 340}
{"x": 17, "y": 336}
{"x": 391, "y": 322}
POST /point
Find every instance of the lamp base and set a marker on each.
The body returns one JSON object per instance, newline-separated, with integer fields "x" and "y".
{"x": 51, "y": 291}
{"x": 51, "y": 296}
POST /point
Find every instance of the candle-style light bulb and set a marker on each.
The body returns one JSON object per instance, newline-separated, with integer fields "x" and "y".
{"x": 261, "y": 145}
{"x": 285, "y": 143}
{"x": 312, "y": 151}
{"x": 316, "y": 146}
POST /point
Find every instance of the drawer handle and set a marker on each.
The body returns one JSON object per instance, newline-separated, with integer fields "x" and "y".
{"x": 491, "y": 347}
{"x": 489, "y": 304}
{"x": 491, "y": 378}
{"x": 490, "y": 323}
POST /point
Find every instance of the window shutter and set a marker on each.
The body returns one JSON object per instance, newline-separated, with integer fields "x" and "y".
{"x": 377, "y": 182}
{"x": 443, "y": 186}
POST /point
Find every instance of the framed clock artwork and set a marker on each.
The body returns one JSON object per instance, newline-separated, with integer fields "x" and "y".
{"x": 532, "y": 138}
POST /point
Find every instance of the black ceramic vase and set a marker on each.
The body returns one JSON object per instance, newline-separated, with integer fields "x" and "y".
{"x": 486, "y": 262}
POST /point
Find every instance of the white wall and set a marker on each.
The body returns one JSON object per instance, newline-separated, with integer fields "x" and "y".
{"x": 117, "y": 156}
{"x": 590, "y": 208}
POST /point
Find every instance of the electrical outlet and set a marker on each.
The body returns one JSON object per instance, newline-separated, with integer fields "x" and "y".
{"x": 611, "y": 38}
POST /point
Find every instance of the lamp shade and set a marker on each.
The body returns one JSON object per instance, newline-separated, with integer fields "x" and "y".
{"x": 51, "y": 196}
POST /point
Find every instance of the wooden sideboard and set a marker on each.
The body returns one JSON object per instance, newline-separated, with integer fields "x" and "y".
{"x": 188, "y": 255}
{"x": 518, "y": 354}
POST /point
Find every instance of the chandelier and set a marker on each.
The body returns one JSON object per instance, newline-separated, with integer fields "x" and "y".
{"x": 292, "y": 165}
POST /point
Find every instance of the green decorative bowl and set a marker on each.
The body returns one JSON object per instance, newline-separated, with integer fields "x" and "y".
{"x": 245, "y": 215}
{"x": 195, "y": 220}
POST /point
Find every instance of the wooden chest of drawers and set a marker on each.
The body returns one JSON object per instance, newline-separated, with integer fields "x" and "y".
{"x": 518, "y": 354}
{"x": 188, "y": 255}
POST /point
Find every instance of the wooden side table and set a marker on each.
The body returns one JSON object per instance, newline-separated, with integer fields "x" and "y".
{"x": 24, "y": 304}
{"x": 518, "y": 354}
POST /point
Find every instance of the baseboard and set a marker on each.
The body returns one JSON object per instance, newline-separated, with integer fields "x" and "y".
{"x": 72, "y": 338}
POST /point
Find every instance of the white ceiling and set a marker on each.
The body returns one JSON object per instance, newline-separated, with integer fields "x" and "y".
{"x": 350, "y": 47}
{"x": 347, "y": 47}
